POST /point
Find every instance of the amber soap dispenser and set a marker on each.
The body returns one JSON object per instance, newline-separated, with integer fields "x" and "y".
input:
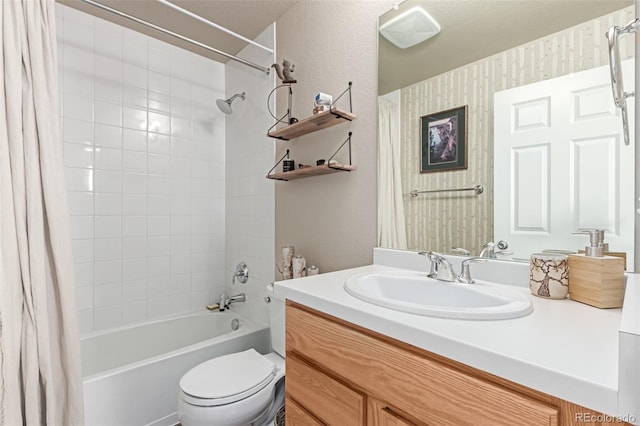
{"x": 594, "y": 278}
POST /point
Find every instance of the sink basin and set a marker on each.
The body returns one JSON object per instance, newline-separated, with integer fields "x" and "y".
{"x": 414, "y": 292}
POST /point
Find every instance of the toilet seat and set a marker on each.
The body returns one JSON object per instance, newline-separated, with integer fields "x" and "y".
{"x": 227, "y": 379}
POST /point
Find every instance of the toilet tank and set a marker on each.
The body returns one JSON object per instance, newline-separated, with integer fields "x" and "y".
{"x": 276, "y": 322}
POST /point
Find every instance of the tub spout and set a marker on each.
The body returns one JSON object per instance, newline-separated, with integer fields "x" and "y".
{"x": 225, "y": 301}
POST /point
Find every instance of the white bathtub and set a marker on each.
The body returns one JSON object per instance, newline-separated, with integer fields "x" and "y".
{"x": 131, "y": 374}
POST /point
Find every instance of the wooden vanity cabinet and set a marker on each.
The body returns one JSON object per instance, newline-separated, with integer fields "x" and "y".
{"x": 342, "y": 374}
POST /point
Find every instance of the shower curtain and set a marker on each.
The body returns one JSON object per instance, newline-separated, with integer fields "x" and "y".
{"x": 40, "y": 379}
{"x": 391, "y": 222}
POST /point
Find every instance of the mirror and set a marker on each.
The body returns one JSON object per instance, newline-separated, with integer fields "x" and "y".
{"x": 484, "y": 47}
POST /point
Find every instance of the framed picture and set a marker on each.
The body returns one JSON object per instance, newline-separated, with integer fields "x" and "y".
{"x": 443, "y": 138}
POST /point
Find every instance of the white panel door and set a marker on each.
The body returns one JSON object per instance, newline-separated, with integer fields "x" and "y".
{"x": 561, "y": 166}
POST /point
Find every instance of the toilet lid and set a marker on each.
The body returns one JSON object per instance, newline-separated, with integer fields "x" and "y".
{"x": 228, "y": 378}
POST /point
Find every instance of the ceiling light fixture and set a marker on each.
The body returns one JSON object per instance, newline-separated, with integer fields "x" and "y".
{"x": 410, "y": 28}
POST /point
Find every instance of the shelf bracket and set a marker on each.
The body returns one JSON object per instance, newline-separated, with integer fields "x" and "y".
{"x": 347, "y": 141}
{"x": 286, "y": 155}
{"x": 287, "y": 114}
{"x": 347, "y": 90}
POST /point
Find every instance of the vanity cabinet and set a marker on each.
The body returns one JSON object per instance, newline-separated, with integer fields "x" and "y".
{"x": 342, "y": 374}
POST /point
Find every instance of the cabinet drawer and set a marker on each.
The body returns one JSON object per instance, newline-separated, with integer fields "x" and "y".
{"x": 327, "y": 399}
{"x": 297, "y": 416}
{"x": 405, "y": 378}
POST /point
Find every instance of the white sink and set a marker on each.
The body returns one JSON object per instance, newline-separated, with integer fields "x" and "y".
{"x": 414, "y": 292}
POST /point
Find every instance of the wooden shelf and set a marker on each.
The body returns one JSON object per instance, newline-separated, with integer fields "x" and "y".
{"x": 311, "y": 124}
{"x": 312, "y": 171}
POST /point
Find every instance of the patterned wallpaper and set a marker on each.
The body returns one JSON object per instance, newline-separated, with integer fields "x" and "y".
{"x": 463, "y": 219}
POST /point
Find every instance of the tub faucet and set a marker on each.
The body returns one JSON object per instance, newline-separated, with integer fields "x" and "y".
{"x": 225, "y": 301}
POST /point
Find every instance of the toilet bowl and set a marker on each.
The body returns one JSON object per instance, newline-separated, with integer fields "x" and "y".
{"x": 236, "y": 389}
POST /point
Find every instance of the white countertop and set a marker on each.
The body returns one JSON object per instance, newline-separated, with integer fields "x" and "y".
{"x": 563, "y": 348}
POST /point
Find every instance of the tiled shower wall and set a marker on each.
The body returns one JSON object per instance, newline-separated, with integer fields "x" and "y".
{"x": 144, "y": 149}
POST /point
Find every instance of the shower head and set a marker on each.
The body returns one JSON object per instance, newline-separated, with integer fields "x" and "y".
{"x": 225, "y": 105}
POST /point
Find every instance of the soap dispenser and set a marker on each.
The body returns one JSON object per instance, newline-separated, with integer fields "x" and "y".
{"x": 595, "y": 278}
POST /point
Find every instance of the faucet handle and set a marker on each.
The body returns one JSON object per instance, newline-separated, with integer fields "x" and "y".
{"x": 465, "y": 275}
{"x": 433, "y": 258}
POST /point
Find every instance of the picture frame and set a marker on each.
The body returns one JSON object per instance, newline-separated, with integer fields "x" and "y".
{"x": 443, "y": 140}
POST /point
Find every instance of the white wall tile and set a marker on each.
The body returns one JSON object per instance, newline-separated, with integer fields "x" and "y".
{"x": 106, "y": 318}
{"x": 108, "y": 181}
{"x": 82, "y": 250}
{"x": 134, "y": 291}
{"x": 134, "y": 247}
{"x": 108, "y": 158}
{"x": 159, "y": 82}
{"x": 108, "y": 90}
{"x": 134, "y": 140}
{"x": 79, "y": 179}
{"x": 134, "y": 118}
{"x": 108, "y": 136}
{"x": 134, "y": 161}
{"x": 108, "y": 226}
{"x": 77, "y": 107}
{"x": 158, "y": 225}
{"x": 134, "y": 226}
{"x": 81, "y": 227}
{"x": 78, "y": 155}
{"x": 77, "y": 131}
{"x": 134, "y": 183}
{"x": 180, "y": 244}
{"x": 159, "y": 269}
{"x": 159, "y": 144}
{"x": 134, "y": 205}
{"x": 108, "y": 295}
{"x": 107, "y": 249}
{"x": 159, "y": 245}
{"x": 134, "y": 312}
{"x": 108, "y": 272}
{"x": 108, "y": 203}
{"x": 135, "y": 96}
{"x": 159, "y": 164}
{"x": 108, "y": 113}
{"x": 134, "y": 269}
{"x": 159, "y": 205}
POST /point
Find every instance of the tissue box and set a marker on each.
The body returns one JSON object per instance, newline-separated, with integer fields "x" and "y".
{"x": 597, "y": 281}
{"x": 323, "y": 99}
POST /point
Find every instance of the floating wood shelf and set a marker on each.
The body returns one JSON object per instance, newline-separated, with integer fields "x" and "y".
{"x": 311, "y": 124}
{"x": 312, "y": 171}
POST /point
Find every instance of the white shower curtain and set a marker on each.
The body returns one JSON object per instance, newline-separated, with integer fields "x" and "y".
{"x": 391, "y": 222}
{"x": 40, "y": 379}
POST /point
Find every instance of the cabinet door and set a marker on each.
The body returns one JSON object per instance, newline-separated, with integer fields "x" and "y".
{"x": 326, "y": 398}
{"x": 298, "y": 416}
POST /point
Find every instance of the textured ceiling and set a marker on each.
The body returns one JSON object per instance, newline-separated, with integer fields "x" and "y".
{"x": 245, "y": 17}
{"x": 475, "y": 29}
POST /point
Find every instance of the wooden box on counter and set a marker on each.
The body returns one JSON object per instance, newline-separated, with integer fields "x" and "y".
{"x": 597, "y": 281}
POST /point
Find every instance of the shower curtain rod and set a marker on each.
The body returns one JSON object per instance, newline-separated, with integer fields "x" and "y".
{"x": 176, "y": 35}
{"x": 214, "y": 25}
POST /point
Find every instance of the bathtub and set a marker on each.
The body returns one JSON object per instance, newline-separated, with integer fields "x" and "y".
{"x": 131, "y": 374}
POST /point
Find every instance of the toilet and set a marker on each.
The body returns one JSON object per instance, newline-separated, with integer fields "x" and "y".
{"x": 240, "y": 388}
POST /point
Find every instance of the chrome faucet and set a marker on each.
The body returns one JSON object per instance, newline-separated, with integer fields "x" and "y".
{"x": 442, "y": 269}
{"x": 225, "y": 301}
